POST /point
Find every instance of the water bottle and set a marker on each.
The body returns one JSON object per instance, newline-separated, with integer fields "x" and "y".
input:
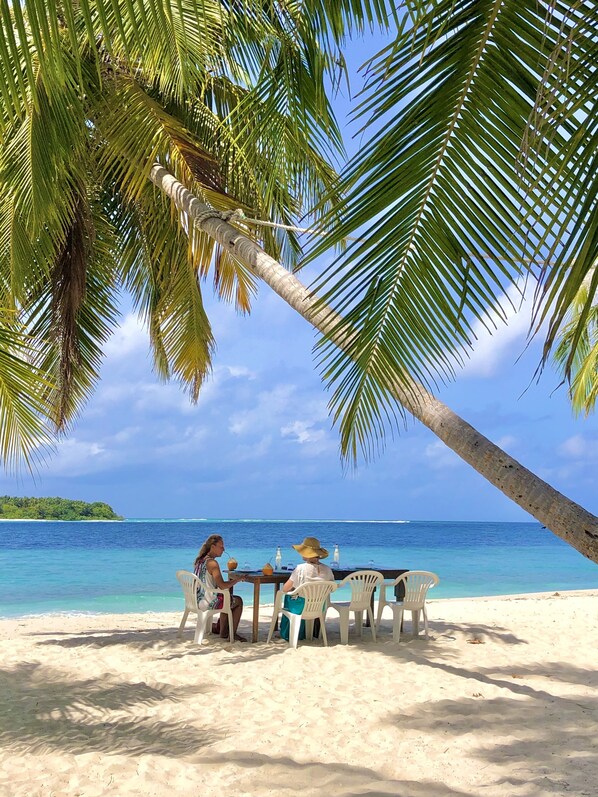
{"x": 336, "y": 556}
{"x": 278, "y": 558}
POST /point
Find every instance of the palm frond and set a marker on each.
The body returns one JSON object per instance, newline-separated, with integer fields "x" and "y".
{"x": 157, "y": 264}
{"x": 445, "y": 224}
{"x": 581, "y": 367}
{"x": 24, "y": 430}
{"x": 71, "y": 315}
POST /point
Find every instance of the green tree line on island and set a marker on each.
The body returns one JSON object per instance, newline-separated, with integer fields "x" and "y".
{"x": 12, "y": 508}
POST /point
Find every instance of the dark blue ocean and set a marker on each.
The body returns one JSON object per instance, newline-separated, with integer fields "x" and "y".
{"x": 129, "y": 566}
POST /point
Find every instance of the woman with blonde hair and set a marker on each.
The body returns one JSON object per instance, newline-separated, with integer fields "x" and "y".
{"x": 208, "y": 571}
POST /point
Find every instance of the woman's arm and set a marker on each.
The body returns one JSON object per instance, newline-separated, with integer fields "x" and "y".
{"x": 214, "y": 570}
{"x": 291, "y": 584}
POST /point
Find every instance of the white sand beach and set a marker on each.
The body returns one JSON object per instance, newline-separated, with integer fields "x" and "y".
{"x": 501, "y": 700}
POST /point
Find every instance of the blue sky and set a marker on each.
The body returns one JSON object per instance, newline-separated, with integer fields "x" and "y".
{"x": 259, "y": 444}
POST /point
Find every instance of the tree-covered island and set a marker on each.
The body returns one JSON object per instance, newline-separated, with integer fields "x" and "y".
{"x": 12, "y": 508}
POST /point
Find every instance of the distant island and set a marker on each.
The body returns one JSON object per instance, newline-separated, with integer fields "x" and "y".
{"x": 12, "y": 508}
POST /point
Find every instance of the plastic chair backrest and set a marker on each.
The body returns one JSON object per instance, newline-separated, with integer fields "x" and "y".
{"x": 362, "y": 583}
{"x": 315, "y": 594}
{"x": 190, "y": 584}
{"x": 417, "y": 583}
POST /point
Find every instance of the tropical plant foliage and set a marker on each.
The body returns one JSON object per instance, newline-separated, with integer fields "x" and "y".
{"x": 18, "y": 508}
{"x": 24, "y": 410}
{"x": 480, "y": 172}
{"x": 231, "y": 96}
{"x": 583, "y": 387}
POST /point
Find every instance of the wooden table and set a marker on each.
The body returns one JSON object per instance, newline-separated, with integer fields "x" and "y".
{"x": 279, "y": 577}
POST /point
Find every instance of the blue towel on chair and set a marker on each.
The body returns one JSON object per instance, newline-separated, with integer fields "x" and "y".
{"x": 294, "y": 606}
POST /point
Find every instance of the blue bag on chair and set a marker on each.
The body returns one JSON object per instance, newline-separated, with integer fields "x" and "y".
{"x": 294, "y": 606}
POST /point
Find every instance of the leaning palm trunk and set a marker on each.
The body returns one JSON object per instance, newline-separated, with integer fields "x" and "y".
{"x": 562, "y": 516}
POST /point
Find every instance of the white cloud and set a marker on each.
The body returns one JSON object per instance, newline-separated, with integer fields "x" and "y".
{"x": 188, "y": 441}
{"x": 127, "y": 434}
{"x": 143, "y": 397}
{"x": 506, "y": 342}
{"x": 440, "y": 456}
{"x": 77, "y": 457}
{"x": 256, "y": 451}
{"x": 579, "y": 447}
{"x": 507, "y": 441}
{"x": 237, "y": 371}
{"x": 271, "y": 405}
{"x": 129, "y": 338}
{"x": 159, "y": 397}
{"x": 221, "y": 375}
{"x": 285, "y": 412}
{"x": 303, "y": 432}
{"x": 115, "y": 393}
{"x": 313, "y": 441}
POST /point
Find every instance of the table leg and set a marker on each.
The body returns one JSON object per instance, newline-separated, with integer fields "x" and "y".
{"x": 256, "y": 610}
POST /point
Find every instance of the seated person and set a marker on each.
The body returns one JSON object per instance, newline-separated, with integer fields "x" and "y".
{"x": 311, "y": 570}
{"x": 207, "y": 570}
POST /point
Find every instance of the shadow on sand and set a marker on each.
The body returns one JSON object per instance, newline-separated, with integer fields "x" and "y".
{"x": 40, "y": 709}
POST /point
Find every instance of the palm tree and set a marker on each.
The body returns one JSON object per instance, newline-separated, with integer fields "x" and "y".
{"x": 565, "y": 518}
{"x": 232, "y": 101}
{"x": 230, "y": 95}
{"x": 479, "y": 173}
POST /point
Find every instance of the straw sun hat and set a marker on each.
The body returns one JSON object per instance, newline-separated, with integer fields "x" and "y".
{"x": 310, "y": 548}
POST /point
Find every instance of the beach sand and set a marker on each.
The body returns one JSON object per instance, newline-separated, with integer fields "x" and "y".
{"x": 501, "y": 699}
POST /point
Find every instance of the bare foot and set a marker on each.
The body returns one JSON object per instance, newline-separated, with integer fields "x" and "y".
{"x": 239, "y": 638}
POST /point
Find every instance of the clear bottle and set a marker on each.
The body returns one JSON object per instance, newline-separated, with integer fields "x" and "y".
{"x": 336, "y": 556}
{"x": 278, "y": 558}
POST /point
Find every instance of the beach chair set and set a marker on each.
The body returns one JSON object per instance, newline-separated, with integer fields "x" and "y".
{"x": 413, "y": 586}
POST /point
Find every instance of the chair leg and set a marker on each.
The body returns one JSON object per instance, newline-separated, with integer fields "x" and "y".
{"x": 425, "y": 614}
{"x": 397, "y": 621}
{"x": 200, "y": 627}
{"x": 343, "y": 618}
{"x": 372, "y": 624}
{"x": 295, "y": 625}
{"x": 381, "y": 605}
{"x": 415, "y": 622}
{"x": 323, "y": 630}
{"x": 183, "y": 621}
{"x": 359, "y": 623}
{"x": 272, "y": 625}
{"x": 309, "y": 629}
{"x": 231, "y": 631}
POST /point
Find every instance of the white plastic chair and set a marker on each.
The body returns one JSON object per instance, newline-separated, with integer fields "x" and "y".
{"x": 316, "y": 594}
{"x": 362, "y": 583}
{"x": 190, "y": 584}
{"x": 416, "y": 584}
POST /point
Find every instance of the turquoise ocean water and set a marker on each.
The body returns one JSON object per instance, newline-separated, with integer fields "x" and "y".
{"x": 129, "y": 566}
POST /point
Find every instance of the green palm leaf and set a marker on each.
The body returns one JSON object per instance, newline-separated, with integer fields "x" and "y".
{"x": 230, "y": 96}
{"x": 444, "y": 222}
{"x": 583, "y": 364}
{"x": 24, "y": 411}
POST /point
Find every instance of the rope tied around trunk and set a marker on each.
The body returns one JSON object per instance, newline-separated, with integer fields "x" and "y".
{"x": 199, "y": 217}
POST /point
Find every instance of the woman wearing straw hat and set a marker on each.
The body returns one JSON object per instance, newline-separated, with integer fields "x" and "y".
{"x": 311, "y": 570}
